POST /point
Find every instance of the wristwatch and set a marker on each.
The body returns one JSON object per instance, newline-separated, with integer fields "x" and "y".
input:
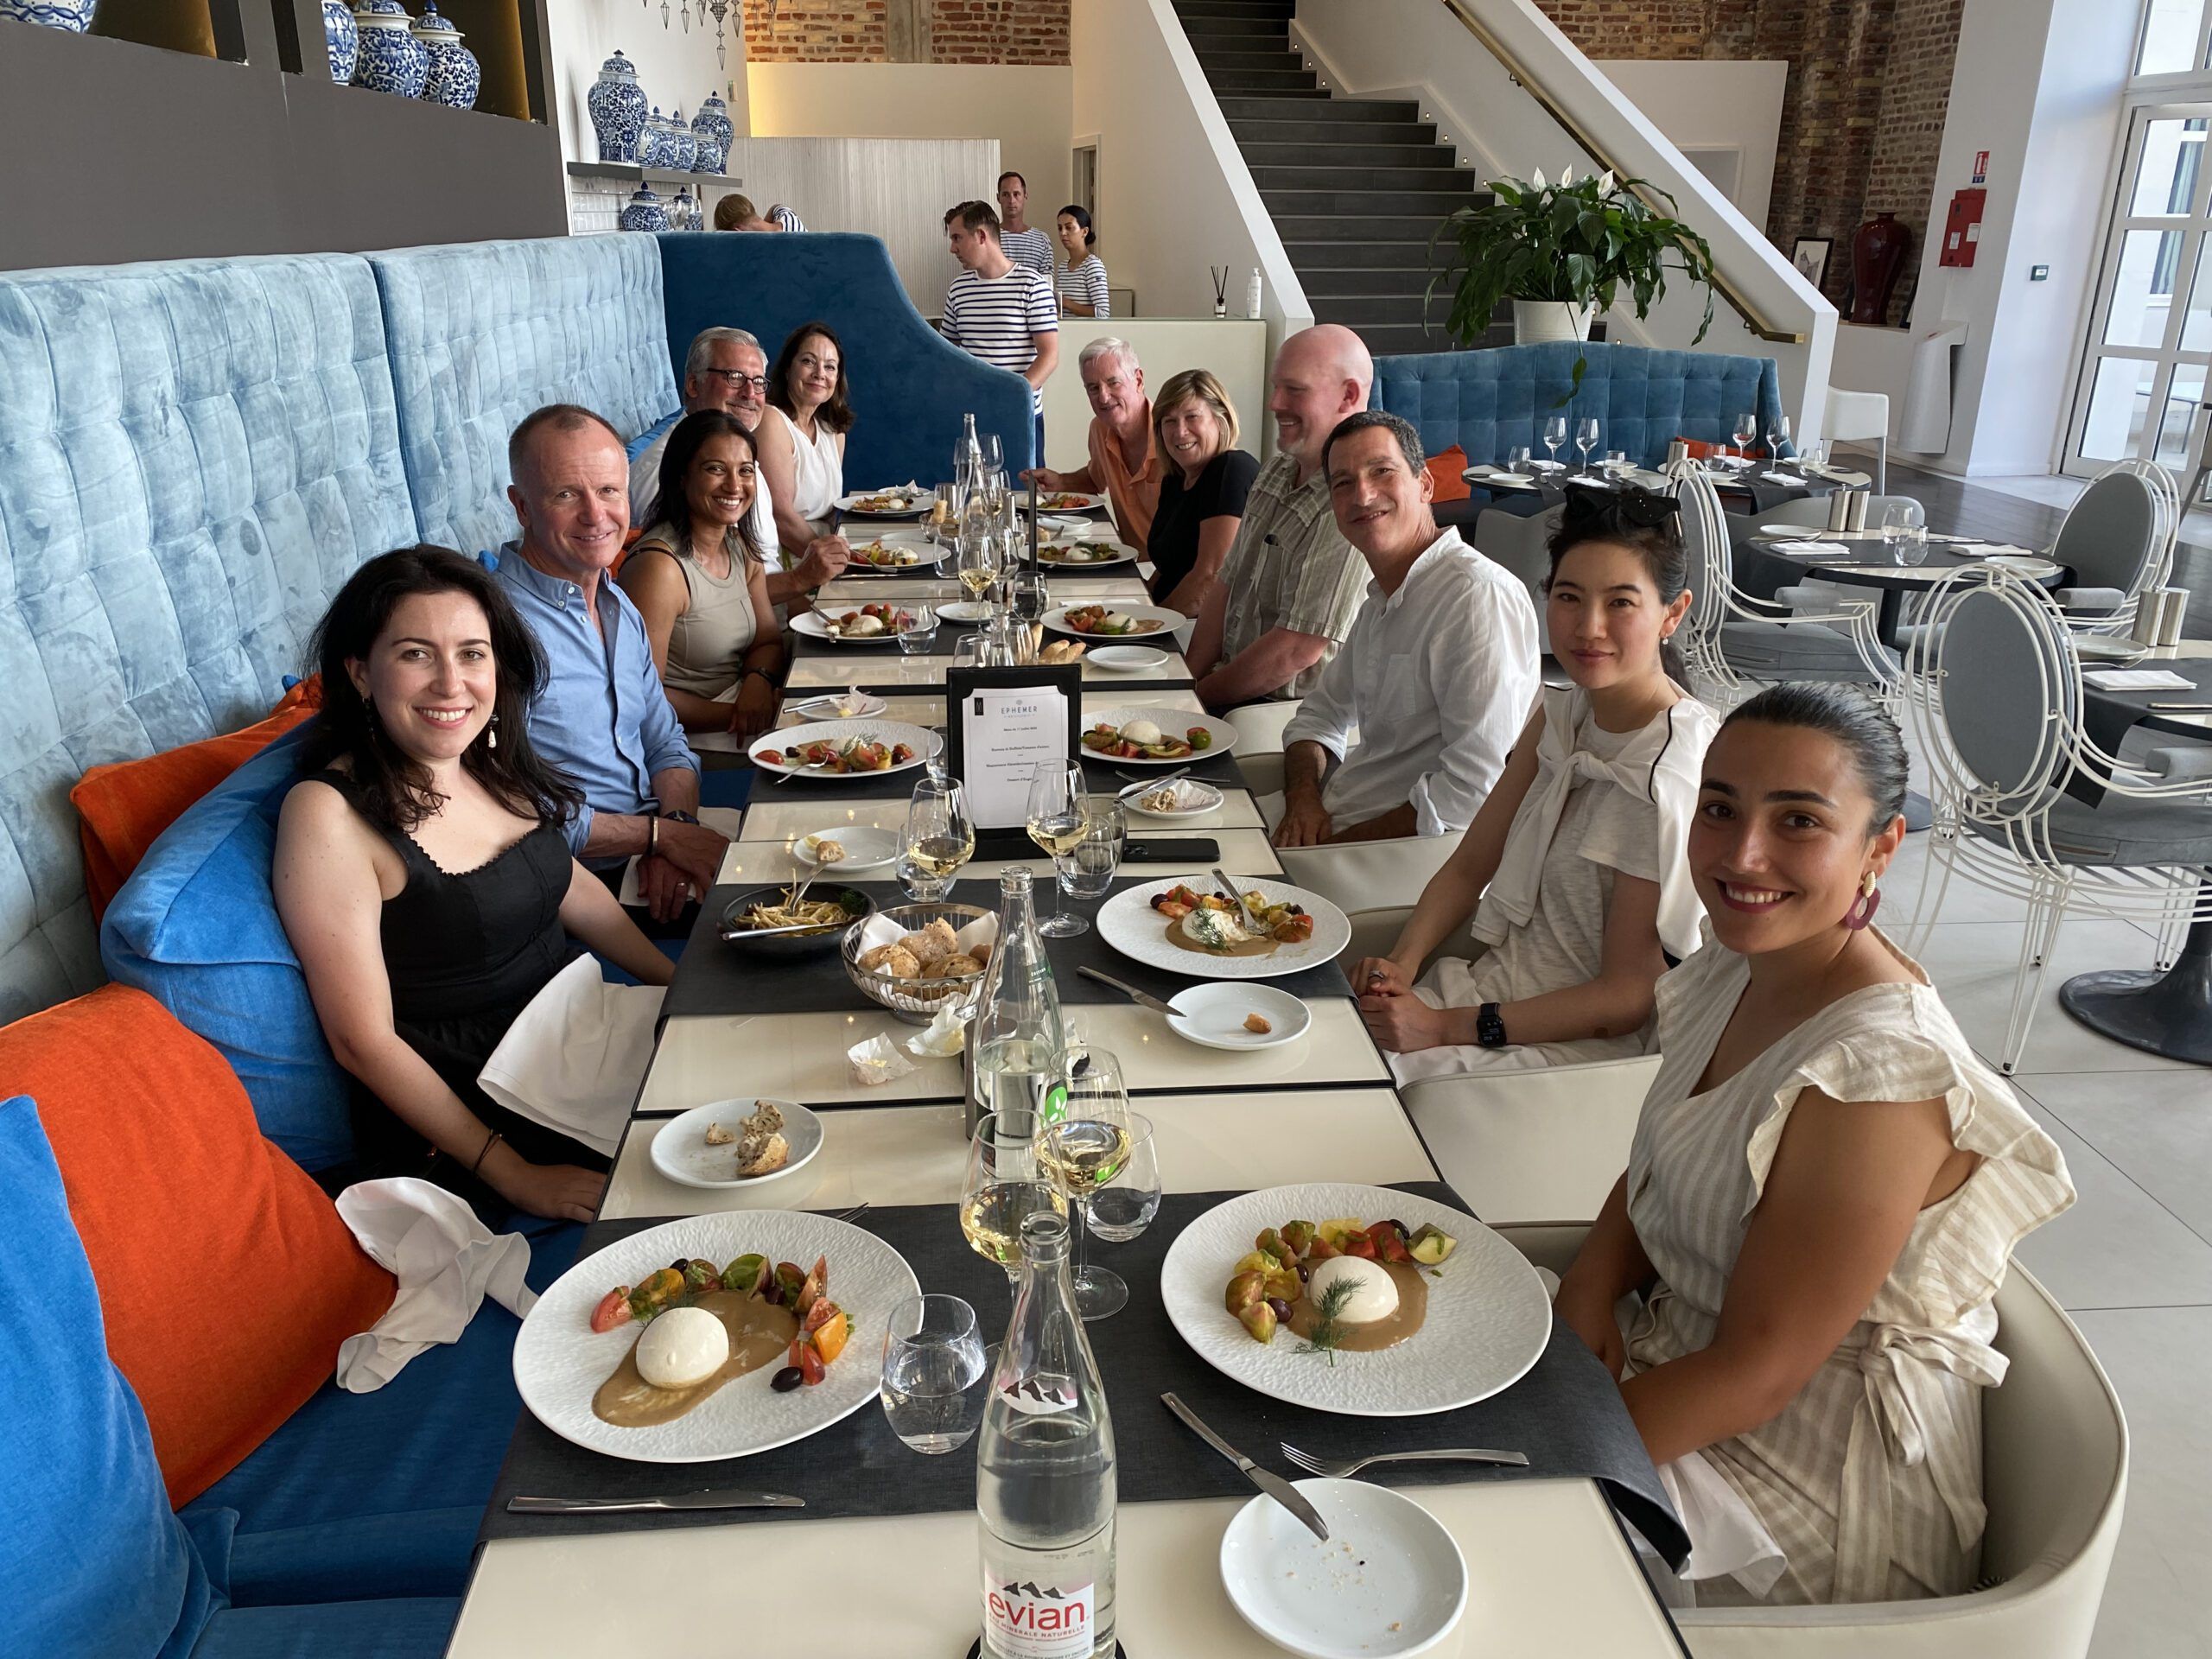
{"x": 1489, "y": 1026}
{"x": 681, "y": 817}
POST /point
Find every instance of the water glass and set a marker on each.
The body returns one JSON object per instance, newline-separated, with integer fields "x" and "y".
{"x": 1815, "y": 456}
{"x": 1517, "y": 458}
{"x": 1617, "y": 462}
{"x": 1904, "y": 532}
{"x": 1088, "y": 868}
{"x": 933, "y": 1373}
{"x": 919, "y": 638}
{"x": 1026, "y": 595}
{"x": 1125, "y": 1206}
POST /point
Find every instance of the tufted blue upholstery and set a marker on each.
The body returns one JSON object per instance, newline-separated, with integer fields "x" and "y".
{"x": 1490, "y": 401}
{"x": 482, "y": 333}
{"x": 192, "y": 457}
{"x": 909, "y": 387}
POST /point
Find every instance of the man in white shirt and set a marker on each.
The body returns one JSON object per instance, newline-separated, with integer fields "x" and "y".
{"x": 997, "y": 311}
{"x": 1024, "y": 242}
{"x": 727, "y": 370}
{"x": 1438, "y": 675}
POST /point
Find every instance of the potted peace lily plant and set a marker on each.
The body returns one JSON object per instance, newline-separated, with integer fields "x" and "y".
{"x": 1563, "y": 253}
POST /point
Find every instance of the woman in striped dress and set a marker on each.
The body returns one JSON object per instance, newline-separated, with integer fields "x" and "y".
{"x": 1821, "y": 1199}
{"x": 1082, "y": 285}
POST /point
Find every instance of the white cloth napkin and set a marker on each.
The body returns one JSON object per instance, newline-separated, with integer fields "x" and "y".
{"x": 1726, "y": 1535}
{"x": 446, "y": 1262}
{"x": 574, "y": 1058}
{"x": 1811, "y": 550}
{"x": 1781, "y": 478}
{"x": 1592, "y": 480}
{"x": 2138, "y": 679}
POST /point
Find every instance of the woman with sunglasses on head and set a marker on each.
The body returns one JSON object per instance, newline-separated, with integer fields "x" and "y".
{"x": 1573, "y": 870}
{"x": 1822, "y": 1197}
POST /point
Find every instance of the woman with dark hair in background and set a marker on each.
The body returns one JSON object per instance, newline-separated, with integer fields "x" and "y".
{"x": 1576, "y": 856}
{"x": 1082, "y": 284}
{"x": 702, "y": 586}
{"x": 802, "y": 434}
{"x": 422, "y": 879}
{"x": 1822, "y": 1197}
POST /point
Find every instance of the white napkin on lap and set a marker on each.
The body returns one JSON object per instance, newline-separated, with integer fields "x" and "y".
{"x": 573, "y": 1059}
{"x": 446, "y": 1262}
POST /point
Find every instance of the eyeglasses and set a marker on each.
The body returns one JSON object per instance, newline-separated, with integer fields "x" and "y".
{"x": 737, "y": 379}
{"x": 1646, "y": 509}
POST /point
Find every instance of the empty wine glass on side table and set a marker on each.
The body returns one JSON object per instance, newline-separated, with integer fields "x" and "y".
{"x": 1084, "y": 1151}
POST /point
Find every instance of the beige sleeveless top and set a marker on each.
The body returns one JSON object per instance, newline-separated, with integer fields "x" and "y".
{"x": 706, "y": 646}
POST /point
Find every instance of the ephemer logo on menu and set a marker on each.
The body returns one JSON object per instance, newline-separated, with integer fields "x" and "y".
{"x": 1029, "y": 1621}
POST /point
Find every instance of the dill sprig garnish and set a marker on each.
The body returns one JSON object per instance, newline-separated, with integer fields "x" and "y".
{"x": 1330, "y": 1331}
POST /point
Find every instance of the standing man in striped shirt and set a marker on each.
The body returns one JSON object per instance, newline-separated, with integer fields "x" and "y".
{"x": 997, "y": 311}
{"x": 1024, "y": 242}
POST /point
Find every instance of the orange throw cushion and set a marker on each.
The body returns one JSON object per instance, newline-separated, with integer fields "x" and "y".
{"x": 227, "y": 1279}
{"x": 124, "y": 806}
{"x": 1444, "y": 472}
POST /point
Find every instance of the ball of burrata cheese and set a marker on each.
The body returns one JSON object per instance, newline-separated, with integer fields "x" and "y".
{"x": 1141, "y": 730}
{"x": 684, "y": 1346}
{"x": 1374, "y": 1295}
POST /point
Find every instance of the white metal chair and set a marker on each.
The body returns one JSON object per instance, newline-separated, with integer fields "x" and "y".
{"x": 2119, "y": 536}
{"x": 1999, "y": 714}
{"x": 1855, "y": 416}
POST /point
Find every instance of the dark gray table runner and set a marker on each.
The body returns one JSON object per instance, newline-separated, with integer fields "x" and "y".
{"x": 1566, "y": 1414}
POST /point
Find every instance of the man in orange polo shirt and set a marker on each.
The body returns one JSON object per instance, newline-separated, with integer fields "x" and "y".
{"x": 1123, "y": 461}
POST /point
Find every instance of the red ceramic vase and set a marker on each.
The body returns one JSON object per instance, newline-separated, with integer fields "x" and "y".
{"x": 1876, "y": 261}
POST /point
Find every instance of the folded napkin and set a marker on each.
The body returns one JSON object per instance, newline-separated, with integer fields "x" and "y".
{"x": 1781, "y": 478}
{"x": 1810, "y": 550}
{"x": 2138, "y": 679}
{"x": 573, "y": 1059}
{"x": 446, "y": 1262}
{"x": 1593, "y": 482}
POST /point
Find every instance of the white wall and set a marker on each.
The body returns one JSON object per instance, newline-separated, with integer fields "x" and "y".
{"x": 677, "y": 68}
{"x": 1704, "y": 104}
{"x": 1234, "y": 349}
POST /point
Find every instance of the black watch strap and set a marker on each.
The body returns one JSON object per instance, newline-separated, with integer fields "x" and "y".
{"x": 1489, "y": 1026}
{"x": 681, "y": 817}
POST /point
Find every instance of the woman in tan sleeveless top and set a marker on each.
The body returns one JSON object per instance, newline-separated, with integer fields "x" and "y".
{"x": 702, "y": 586}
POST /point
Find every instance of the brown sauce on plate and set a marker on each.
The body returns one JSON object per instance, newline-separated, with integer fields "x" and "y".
{"x": 760, "y": 1334}
{"x": 1377, "y": 1334}
{"x": 1261, "y": 946}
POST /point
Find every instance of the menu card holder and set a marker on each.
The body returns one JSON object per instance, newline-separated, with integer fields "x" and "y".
{"x": 996, "y": 736}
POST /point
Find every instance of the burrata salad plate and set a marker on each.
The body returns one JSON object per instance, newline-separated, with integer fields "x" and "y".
{"x": 583, "y": 1368}
{"x": 1154, "y": 737}
{"x": 1187, "y": 927}
{"x": 1398, "y": 1305}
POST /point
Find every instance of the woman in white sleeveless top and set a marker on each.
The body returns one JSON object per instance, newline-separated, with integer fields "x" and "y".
{"x": 803, "y": 435}
{"x": 1577, "y": 856}
{"x": 1822, "y": 1197}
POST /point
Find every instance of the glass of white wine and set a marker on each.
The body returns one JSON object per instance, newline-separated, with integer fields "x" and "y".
{"x": 1086, "y": 1150}
{"x": 1005, "y": 1181}
{"x": 937, "y": 840}
{"x": 977, "y": 565}
{"x": 1056, "y": 823}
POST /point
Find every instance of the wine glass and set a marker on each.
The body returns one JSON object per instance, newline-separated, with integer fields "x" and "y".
{"x": 1086, "y": 1149}
{"x": 1747, "y": 428}
{"x": 977, "y": 563}
{"x": 998, "y": 504}
{"x": 1516, "y": 460}
{"x": 1904, "y": 532}
{"x": 937, "y": 838}
{"x": 1055, "y": 822}
{"x": 933, "y": 1369}
{"x": 1616, "y": 462}
{"x": 919, "y": 638}
{"x": 1554, "y": 435}
{"x": 944, "y": 521}
{"x": 1005, "y": 1181}
{"x": 1124, "y": 1207}
{"x": 1586, "y": 439}
{"x": 994, "y": 454}
{"x": 1816, "y": 456}
{"x": 1778, "y": 437}
{"x": 1087, "y": 869}
{"x": 1028, "y": 599}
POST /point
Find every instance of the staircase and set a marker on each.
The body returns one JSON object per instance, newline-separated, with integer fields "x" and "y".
{"x": 1356, "y": 186}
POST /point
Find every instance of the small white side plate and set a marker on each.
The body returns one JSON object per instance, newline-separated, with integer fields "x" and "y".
{"x": 1390, "y": 1580}
{"x": 866, "y": 848}
{"x": 1199, "y": 799}
{"x": 681, "y": 1152}
{"x": 1127, "y": 659}
{"x": 1213, "y": 1016}
{"x": 964, "y": 610}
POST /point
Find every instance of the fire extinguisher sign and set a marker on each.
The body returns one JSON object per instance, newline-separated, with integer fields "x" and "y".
{"x": 1981, "y": 167}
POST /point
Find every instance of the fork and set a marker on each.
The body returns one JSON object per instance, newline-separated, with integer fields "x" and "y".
{"x": 1345, "y": 1468}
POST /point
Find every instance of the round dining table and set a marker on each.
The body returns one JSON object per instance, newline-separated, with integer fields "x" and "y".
{"x": 1868, "y": 561}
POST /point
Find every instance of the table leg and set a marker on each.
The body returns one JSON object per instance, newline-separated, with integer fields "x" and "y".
{"x": 2168, "y": 1014}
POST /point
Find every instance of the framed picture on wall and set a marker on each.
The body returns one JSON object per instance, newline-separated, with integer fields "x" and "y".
{"x": 1811, "y": 255}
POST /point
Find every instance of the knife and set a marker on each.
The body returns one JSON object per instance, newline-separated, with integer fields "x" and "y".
{"x": 1143, "y": 999}
{"x": 1273, "y": 1485}
{"x": 713, "y": 1499}
{"x": 1146, "y": 783}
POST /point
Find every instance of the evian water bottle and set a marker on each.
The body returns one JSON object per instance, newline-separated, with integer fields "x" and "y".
{"x": 1045, "y": 1486}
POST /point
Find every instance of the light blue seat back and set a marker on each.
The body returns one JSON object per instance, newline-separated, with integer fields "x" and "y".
{"x": 483, "y": 333}
{"x": 1490, "y": 401}
{"x": 194, "y": 456}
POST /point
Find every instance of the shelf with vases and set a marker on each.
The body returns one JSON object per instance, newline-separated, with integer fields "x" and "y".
{"x": 624, "y": 173}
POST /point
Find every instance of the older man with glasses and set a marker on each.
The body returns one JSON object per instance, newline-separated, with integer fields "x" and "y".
{"x": 727, "y": 370}
{"x": 1123, "y": 461}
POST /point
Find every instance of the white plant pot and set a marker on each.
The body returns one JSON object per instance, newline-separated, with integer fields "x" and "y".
{"x": 1541, "y": 320}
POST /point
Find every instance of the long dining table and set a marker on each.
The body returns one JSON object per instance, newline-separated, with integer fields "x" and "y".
{"x": 1551, "y": 1566}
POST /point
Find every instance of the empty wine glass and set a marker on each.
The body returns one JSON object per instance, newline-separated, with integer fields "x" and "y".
{"x": 1586, "y": 439}
{"x": 1904, "y": 532}
{"x": 1778, "y": 437}
{"x": 938, "y": 839}
{"x": 1087, "y": 869}
{"x": 1084, "y": 1150}
{"x": 1554, "y": 435}
{"x": 1746, "y": 430}
{"x": 1004, "y": 1182}
{"x": 918, "y": 636}
{"x": 933, "y": 1371}
{"x": 1055, "y": 821}
{"x": 1125, "y": 1206}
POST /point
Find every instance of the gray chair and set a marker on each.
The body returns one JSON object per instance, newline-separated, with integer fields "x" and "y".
{"x": 2117, "y": 537}
{"x": 1521, "y": 545}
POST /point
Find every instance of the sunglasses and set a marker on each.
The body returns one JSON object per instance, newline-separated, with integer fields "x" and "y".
{"x": 1631, "y": 504}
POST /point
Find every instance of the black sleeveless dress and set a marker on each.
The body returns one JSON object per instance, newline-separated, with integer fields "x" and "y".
{"x": 465, "y": 955}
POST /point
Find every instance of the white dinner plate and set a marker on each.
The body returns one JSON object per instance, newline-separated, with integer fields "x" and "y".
{"x": 1173, "y": 723}
{"x": 1193, "y": 799}
{"x": 839, "y": 705}
{"x": 1805, "y": 533}
{"x": 810, "y": 624}
{"x": 681, "y": 1152}
{"x": 1062, "y": 501}
{"x": 1488, "y": 1317}
{"x": 1213, "y": 1016}
{"x": 1164, "y": 621}
{"x": 915, "y": 556}
{"x": 2021, "y": 564}
{"x": 560, "y": 1362}
{"x": 1126, "y": 659}
{"x": 866, "y": 848}
{"x": 2093, "y": 648}
{"x": 1128, "y": 923}
{"x": 916, "y": 504}
{"x": 964, "y": 610}
{"x": 924, "y": 742}
{"x": 1100, "y": 555}
{"x": 1501, "y": 480}
{"x": 1390, "y": 1581}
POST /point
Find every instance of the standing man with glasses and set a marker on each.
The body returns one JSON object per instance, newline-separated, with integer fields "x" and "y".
{"x": 1024, "y": 242}
{"x": 726, "y": 370}
{"x": 1000, "y": 312}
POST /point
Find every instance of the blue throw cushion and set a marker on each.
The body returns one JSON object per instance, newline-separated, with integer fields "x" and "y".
{"x": 380, "y": 1494}
{"x": 92, "y": 1562}
{"x": 196, "y": 927}
{"x": 408, "y": 1628}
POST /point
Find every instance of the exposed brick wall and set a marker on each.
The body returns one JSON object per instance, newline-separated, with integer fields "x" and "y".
{"x": 927, "y": 31}
{"x": 1862, "y": 117}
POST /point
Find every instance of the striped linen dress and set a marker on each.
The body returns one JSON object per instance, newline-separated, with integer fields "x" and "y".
{"x": 1870, "y": 1482}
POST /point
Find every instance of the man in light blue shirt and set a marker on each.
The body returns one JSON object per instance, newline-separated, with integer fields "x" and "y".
{"x": 602, "y": 716}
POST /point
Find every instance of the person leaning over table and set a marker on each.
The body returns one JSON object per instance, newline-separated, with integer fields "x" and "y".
{"x": 1202, "y": 493}
{"x": 1437, "y": 674}
{"x": 1824, "y": 1190}
{"x": 1124, "y": 461}
{"x": 997, "y": 311}
{"x": 1576, "y": 856}
{"x": 602, "y": 715}
{"x": 1081, "y": 286}
{"x": 1292, "y": 584}
{"x": 700, "y": 583}
{"x": 423, "y": 878}
{"x": 726, "y": 369}
{"x": 803, "y": 433}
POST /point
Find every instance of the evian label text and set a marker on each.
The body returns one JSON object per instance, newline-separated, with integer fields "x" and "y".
{"x": 1030, "y": 1621}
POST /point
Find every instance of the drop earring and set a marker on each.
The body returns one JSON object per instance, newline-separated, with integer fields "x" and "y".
{"x": 491, "y": 733}
{"x": 1860, "y": 916}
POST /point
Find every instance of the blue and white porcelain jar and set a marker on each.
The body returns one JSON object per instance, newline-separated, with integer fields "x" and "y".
{"x": 342, "y": 38}
{"x": 75, "y": 16}
{"x": 392, "y": 58}
{"x": 683, "y": 148}
{"x": 617, "y": 105}
{"x": 715, "y": 134}
{"x": 645, "y": 211}
{"x": 652, "y": 141}
{"x": 455, "y": 77}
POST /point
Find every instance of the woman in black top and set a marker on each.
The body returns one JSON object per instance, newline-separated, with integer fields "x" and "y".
{"x": 1202, "y": 488}
{"x": 425, "y": 882}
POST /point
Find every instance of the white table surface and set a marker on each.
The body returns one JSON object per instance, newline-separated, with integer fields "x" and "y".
{"x": 886, "y": 665}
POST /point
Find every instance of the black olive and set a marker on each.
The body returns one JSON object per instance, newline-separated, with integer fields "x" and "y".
{"x": 1281, "y": 1307}
{"x": 1304, "y": 1273}
{"x": 772, "y": 1291}
{"x": 787, "y": 1379}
